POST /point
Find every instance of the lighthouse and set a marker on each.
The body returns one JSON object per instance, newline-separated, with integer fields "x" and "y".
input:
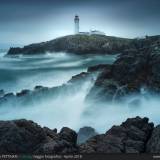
{"x": 76, "y": 24}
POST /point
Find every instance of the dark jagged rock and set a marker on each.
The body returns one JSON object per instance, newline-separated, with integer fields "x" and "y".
{"x": 50, "y": 133}
{"x": 153, "y": 145}
{"x": 9, "y": 95}
{"x": 79, "y": 77}
{"x": 15, "y": 51}
{"x": 68, "y": 135}
{"x": 23, "y": 93}
{"x": 55, "y": 130}
{"x": 38, "y": 87}
{"x": 132, "y": 71}
{"x": 85, "y": 133}
{"x": 78, "y": 44}
{"x": 64, "y": 142}
{"x": 130, "y": 137}
{"x": 2, "y": 92}
{"x": 99, "y": 67}
{"x": 20, "y": 136}
{"x": 135, "y": 135}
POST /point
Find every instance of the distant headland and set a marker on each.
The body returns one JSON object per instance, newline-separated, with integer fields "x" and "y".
{"x": 81, "y": 44}
{"x": 93, "y": 42}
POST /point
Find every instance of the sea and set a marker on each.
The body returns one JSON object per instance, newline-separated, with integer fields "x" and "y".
{"x": 55, "y": 69}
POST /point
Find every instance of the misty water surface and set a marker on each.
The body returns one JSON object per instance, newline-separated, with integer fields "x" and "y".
{"x": 26, "y": 72}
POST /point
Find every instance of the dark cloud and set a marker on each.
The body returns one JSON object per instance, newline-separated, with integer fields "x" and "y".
{"x": 21, "y": 9}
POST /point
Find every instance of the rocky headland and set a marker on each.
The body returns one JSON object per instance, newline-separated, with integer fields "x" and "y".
{"x": 86, "y": 44}
{"x": 77, "y": 44}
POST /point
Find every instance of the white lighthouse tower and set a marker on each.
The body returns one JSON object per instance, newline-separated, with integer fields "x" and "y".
{"x": 76, "y": 24}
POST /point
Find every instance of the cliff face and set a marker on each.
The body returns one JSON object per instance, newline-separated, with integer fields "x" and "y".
{"x": 131, "y": 72}
{"x": 78, "y": 44}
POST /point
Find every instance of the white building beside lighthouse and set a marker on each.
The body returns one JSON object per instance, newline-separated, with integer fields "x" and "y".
{"x": 76, "y": 24}
{"x": 91, "y": 32}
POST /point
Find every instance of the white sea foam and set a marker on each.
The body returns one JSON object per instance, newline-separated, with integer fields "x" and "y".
{"x": 66, "y": 110}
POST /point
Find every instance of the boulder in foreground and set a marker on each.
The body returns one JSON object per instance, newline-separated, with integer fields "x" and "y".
{"x": 135, "y": 135}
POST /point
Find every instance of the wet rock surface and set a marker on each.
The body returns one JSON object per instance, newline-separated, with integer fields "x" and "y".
{"x": 97, "y": 68}
{"x": 132, "y": 71}
{"x": 22, "y": 136}
{"x": 135, "y": 135}
{"x": 153, "y": 145}
{"x": 130, "y": 137}
{"x": 62, "y": 142}
{"x": 85, "y": 133}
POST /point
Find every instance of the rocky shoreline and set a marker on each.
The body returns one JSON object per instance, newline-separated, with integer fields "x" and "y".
{"x": 135, "y": 72}
{"x": 26, "y": 95}
{"x": 135, "y": 135}
{"x": 73, "y": 85}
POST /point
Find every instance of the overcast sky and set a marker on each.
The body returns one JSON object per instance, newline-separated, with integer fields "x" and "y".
{"x": 29, "y": 21}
